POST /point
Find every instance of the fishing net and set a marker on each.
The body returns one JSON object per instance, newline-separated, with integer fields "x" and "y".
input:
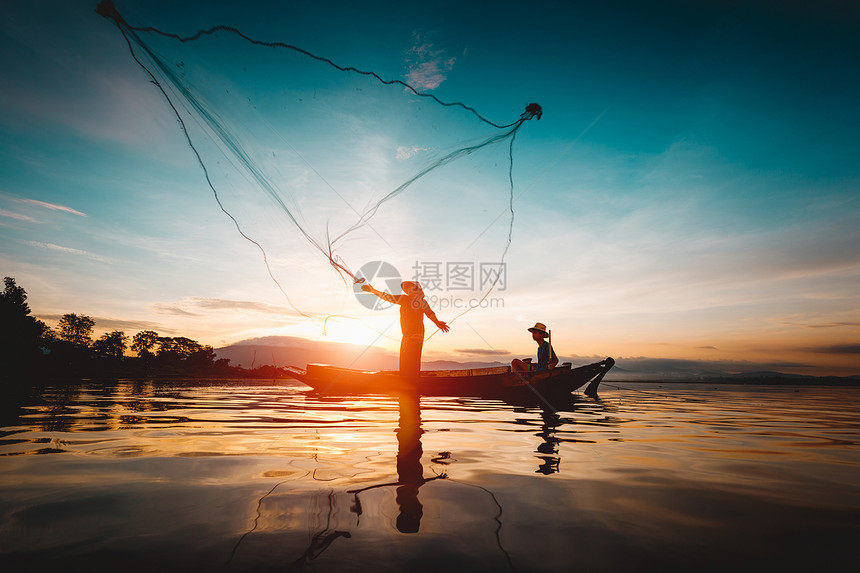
{"x": 323, "y": 166}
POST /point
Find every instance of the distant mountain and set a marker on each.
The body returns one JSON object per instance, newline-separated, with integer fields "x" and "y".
{"x": 768, "y": 374}
{"x": 282, "y": 351}
{"x": 293, "y": 351}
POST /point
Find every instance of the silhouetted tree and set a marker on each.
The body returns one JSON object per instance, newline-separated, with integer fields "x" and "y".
{"x": 14, "y": 298}
{"x": 111, "y": 344}
{"x": 144, "y": 342}
{"x": 179, "y": 346}
{"x": 76, "y": 329}
{"x": 183, "y": 355}
{"x": 21, "y": 335}
{"x": 31, "y": 350}
{"x": 201, "y": 360}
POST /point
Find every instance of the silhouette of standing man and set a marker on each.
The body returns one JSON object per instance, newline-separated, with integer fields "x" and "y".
{"x": 413, "y": 308}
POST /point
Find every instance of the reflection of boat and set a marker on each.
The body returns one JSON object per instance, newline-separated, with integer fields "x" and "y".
{"x": 499, "y": 382}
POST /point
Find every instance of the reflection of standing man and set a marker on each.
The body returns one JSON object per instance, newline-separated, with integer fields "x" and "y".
{"x": 413, "y": 308}
{"x": 410, "y": 473}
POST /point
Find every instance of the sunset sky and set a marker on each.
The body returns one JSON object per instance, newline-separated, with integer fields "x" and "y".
{"x": 692, "y": 191}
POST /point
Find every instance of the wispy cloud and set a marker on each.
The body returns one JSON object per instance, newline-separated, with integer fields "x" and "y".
{"x": 196, "y": 307}
{"x": 405, "y": 152}
{"x": 129, "y": 326}
{"x": 18, "y": 216}
{"x": 428, "y": 65}
{"x": 54, "y": 207}
{"x": 174, "y": 310}
{"x": 243, "y": 305}
{"x": 68, "y": 250}
{"x": 482, "y": 351}
{"x": 837, "y": 349}
{"x": 825, "y": 324}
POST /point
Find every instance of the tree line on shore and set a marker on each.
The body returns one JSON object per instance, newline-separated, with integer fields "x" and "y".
{"x": 30, "y": 350}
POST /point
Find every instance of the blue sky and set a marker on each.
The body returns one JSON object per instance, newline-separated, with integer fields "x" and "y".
{"x": 691, "y": 191}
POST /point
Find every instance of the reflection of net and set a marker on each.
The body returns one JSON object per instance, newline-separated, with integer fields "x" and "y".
{"x": 294, "y": 145}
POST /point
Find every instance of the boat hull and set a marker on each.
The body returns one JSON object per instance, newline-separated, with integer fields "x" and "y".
{"x": 498, "y": 382}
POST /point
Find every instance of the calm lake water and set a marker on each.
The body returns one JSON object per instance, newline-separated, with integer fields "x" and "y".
{"x": 251, "y": 476}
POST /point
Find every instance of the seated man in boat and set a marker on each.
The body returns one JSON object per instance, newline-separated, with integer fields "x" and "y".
{"x": 546, "y": 358}
{"x": 413, "y": 308}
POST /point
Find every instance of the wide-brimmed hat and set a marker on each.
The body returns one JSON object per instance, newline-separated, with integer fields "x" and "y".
{"x": 405, "y": 285}
{"x": 539, "y": 327}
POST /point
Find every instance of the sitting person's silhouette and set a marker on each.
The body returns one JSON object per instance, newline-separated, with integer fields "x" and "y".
{"x": 546, "y": 358}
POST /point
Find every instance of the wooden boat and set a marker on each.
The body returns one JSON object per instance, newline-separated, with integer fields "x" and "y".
{"x": 498, "y": 382}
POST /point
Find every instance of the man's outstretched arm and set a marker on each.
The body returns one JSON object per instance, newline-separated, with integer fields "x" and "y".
{"x": 383, "y": 295}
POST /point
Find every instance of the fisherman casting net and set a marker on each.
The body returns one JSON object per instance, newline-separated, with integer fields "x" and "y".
{"x": 323, "y": 166}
